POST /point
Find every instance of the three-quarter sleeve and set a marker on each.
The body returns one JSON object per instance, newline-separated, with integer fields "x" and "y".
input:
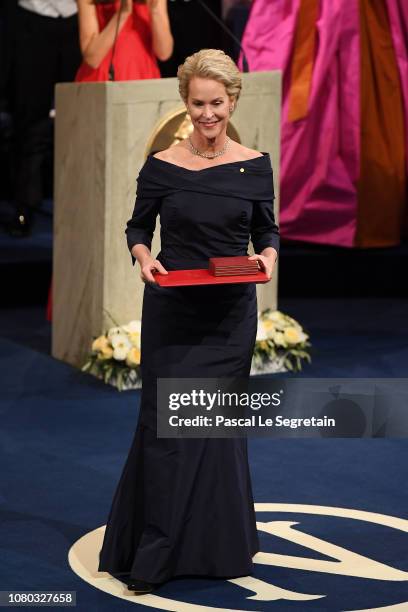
{"x": 141, "y": 226}
{"x": 264, "y": 231}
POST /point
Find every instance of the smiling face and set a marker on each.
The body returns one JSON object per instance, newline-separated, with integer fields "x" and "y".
{"x": 209, "y": 107}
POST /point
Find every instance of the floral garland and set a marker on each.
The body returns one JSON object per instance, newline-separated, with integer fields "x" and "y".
{"x": 281, "y": 345}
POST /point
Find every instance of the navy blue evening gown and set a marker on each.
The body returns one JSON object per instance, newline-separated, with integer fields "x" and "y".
{"x": 185, "y": 506}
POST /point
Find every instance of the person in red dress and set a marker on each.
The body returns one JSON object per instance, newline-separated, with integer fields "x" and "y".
{"x": 143, "y": 35}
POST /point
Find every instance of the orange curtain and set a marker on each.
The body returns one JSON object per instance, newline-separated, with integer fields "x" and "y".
{"x": 302, "y": 59}
{"x": 382, "y": 184}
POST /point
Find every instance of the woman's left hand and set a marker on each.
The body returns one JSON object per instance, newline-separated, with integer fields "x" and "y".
{"x": 266, "y": 262}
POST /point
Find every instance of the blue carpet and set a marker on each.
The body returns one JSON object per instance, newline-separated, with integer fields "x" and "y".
{"x": 65, "y": 435}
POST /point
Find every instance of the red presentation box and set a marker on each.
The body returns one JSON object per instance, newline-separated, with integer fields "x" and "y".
{"x": 225, "y": 266}
{"x": 182, "y": 278}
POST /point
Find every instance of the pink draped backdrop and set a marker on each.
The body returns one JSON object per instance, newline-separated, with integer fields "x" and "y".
{"x": 320, "y": 153}
{"x": 398, "y": 16}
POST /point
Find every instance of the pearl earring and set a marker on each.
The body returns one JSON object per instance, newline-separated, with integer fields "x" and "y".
{"x": 231, "y": 109}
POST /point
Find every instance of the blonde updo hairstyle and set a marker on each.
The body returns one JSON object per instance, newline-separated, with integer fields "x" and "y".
{"x": 210, "y": 64}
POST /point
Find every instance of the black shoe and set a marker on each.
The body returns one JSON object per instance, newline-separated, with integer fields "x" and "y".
{"x": 140, "y": 587}
{"x": 20, "y": 225}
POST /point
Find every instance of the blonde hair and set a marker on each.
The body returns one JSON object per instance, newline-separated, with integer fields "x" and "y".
{"x": 210, "y": 64}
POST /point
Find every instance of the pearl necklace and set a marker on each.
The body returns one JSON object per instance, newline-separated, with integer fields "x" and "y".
{"x": 209, "y": 155}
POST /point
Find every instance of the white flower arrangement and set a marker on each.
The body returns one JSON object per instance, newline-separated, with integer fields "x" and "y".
{"x": 115, "y": 356}
{"x": 281, "y": 345}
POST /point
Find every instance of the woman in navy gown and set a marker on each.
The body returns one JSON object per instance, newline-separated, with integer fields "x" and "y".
{"x": 185, "y": 506}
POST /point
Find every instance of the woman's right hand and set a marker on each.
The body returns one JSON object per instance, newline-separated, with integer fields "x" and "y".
{"x": 148, "y": 268}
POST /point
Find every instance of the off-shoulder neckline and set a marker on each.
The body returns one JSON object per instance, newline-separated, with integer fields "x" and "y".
{"x": 242, "y": 161}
